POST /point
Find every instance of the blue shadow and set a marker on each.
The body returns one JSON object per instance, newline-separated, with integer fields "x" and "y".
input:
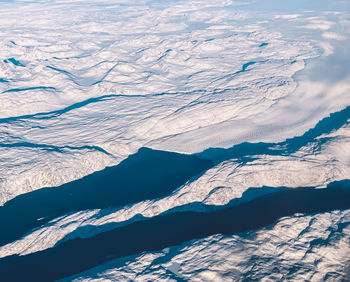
{"x": 146, "y": 175}
{"x": 159, "y": 232}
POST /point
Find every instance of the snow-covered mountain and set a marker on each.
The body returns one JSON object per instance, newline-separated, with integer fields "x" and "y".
{"x": 174, "y": 140}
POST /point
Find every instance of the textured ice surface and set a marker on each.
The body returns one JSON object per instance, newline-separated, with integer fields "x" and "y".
{"x": 97, "y": 81}
{"x": 321, "y": 161}
{"x": 262, "y": 89}
{"x": 298, "y": 248}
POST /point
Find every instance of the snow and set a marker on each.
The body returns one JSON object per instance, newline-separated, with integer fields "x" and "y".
{"x": 85, "y": 84}
{"x": 119, "y": 77}
{"x": 302, "y": 248}
{"x": 315, "y": 164}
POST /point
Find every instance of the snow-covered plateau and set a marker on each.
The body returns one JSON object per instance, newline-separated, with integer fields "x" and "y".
{"x": 174, "y": 140}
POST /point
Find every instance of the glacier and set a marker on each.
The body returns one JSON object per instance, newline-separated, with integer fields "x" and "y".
{"x": 116, "y": 114}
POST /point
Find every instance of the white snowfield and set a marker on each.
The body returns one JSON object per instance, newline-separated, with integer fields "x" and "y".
{"x": 85, "y": 84}
{"x": 93, "y": 82}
